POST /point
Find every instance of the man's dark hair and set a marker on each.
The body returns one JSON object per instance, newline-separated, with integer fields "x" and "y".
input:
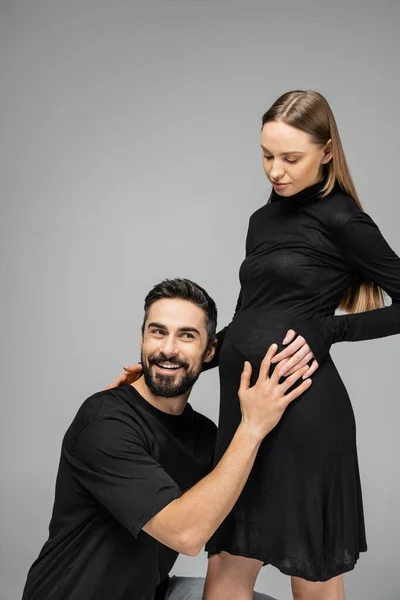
{"x": 186, "y": 290}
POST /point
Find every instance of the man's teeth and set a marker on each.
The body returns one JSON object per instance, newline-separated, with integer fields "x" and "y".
{"x": 169, "y": 366}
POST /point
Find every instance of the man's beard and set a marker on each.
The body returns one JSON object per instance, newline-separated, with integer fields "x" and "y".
{"x": 165, "y": 385}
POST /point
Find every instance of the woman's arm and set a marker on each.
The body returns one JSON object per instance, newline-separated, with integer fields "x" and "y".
{"x": 371, "y": 256}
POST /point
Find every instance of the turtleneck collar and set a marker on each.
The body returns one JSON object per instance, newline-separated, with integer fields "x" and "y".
{"x": 303, "y": 197}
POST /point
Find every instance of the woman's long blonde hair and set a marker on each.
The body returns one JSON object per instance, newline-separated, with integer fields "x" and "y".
{"x": 309, "y": 111}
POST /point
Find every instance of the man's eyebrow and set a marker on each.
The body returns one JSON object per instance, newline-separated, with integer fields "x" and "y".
{"x": 158, "y": 325}
{"x": 182, "y": 329}
{"x": 283, "y": 153}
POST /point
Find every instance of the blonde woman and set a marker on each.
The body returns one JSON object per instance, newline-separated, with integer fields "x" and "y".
{"x": 309, "y": 250}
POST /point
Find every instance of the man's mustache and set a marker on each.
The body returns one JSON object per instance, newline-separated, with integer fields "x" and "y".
{"x": 156, "y": 360}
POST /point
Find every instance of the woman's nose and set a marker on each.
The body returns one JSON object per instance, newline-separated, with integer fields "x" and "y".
{"x": 276, "y": 171}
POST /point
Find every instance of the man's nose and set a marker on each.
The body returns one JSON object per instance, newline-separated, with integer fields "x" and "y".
{"x": 169, "y": 346}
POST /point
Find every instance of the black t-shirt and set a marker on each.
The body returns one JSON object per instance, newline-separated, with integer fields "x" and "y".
{"x": 122, "y": 461}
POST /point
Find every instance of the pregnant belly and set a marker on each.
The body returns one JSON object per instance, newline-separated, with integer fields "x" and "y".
{"x": 314, "y": 424}
{"x": 253, "y": 332}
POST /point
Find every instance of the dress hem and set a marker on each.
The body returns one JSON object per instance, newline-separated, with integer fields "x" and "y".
{"x": 339, "y": 570}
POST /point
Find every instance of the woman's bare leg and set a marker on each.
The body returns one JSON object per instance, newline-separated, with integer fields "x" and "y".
{"x": 309, "y": 590}
{"x": 230, "y": 577}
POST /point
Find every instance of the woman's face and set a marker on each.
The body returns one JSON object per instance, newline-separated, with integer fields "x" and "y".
{"x": 292, "y": 161}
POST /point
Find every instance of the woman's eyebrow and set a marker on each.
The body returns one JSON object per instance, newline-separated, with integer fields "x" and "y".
{"x": 283, "y": 153}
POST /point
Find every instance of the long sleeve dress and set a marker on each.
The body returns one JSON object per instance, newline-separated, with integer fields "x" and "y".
{"x": 301, "y": 509}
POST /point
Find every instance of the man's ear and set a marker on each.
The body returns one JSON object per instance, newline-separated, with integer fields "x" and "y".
{"x": 209, "y": 353}
{"x": 328, "y": 153}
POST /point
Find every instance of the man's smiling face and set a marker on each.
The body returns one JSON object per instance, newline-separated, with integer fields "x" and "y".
{"x": 174, "y": 346}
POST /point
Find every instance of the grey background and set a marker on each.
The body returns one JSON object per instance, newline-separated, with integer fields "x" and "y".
{"x": 130, "y": 153}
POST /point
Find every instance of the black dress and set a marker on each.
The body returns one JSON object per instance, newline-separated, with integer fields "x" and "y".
{"x": 301, "y": 509}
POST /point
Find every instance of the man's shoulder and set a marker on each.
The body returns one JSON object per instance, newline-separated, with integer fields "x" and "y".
{"x": 104, "y": 404}
{"x": 112, "y": 407}
{"x": 107, "y": 421}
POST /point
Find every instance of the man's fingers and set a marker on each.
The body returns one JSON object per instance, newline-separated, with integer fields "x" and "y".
{"x": 289, "y": 381}
{"x": 266, "y": 362}
{"x": 288, "y": 398}
{"x": 275, "y": 377}
{"x": 131, "y": 368}
{"x": 245, "y": 377}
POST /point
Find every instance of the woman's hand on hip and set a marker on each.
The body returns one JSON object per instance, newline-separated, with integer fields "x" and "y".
{"x": 299, "y": 354}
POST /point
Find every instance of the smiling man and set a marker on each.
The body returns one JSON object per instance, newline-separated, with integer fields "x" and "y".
{"x": 134, "y": 485}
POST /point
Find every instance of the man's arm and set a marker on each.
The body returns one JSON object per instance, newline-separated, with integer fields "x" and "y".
{"x": 186, "y": 523}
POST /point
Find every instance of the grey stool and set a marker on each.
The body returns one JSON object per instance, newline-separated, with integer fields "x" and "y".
{"x": 191, "y": 588}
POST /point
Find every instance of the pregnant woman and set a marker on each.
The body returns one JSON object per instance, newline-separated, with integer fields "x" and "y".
{"x": 309, "y": 250}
